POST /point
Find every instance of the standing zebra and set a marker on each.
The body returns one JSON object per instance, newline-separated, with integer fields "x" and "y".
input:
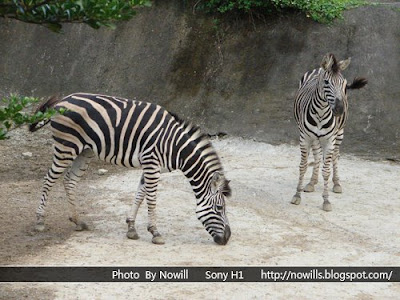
{"x": 134, "y": 134}
{"x": 321, "y": 111}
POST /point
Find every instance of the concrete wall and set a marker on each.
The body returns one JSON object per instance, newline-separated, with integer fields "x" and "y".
{"x": 239, "y": 78}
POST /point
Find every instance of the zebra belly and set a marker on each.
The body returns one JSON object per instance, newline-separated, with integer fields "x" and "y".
{"x": 133, "y": 162}
{"x": 122, "y": 157}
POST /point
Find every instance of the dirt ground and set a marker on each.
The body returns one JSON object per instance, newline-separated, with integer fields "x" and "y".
{"x": 362, "y": 230}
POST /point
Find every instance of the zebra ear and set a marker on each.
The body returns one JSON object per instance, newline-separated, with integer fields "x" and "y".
{"x": 327, "y": 62}
{"x": 217, "y": 182}
{"x": 343, "y": 64}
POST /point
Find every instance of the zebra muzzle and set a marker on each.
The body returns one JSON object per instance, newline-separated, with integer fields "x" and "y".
{"x": 223, "y": 239}
{"x": 338, "y": 109}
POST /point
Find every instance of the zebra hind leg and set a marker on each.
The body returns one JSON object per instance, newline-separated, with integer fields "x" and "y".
{"x": 71, "y": 179}
{"x": 59, "y": 165}
{"x": 140, "y": 194}
{"x": 317, "y": 157}
{"x": 305, "y": 149}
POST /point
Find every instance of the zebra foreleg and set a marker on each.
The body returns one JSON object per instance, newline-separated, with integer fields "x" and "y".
{"x": 56, "y": 170}
{"x": 337, "y": 188}
{"x": 151, "y": 179}
{"x": 305, "y": 149}
{"x": 71, "y": 179}
{"x": 316, "y": 148}
{"x": 326, "y": 172}
{"x": 140, "y": 194}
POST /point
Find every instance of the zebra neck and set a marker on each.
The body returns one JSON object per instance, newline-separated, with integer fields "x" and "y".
{"x": 200, "y": 187}
{"x": 319, "y": 105}
{"x": 199, "y": 165}
{"x": 190, "y": 151}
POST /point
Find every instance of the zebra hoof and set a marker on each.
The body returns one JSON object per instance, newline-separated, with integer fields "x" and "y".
{"x": 309, "y": 188}
{"x": 81, "y": 226}
{"x": 132, "y": 234}
{"x": 337, "y": 188}
{"x": 39, "y": 227}
{"x": 158, "y": 240}
{"x": 327, "y": 206}
{"x": 296, "y": 200}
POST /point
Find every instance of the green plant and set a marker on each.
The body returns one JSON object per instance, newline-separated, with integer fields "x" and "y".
{"x": 13, "y": 116}
{"x": 324, "y": 11}
{"x": 52, "y": 13}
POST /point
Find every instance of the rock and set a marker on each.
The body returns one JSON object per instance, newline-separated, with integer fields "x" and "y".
{"x": 102, "y": 171}
{"x": 27, "y": 154}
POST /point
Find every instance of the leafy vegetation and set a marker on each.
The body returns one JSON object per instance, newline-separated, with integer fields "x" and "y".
{"x": 13, "y": 113}
{"x": 324, "y": 11}
{"x": 52, "y": 13}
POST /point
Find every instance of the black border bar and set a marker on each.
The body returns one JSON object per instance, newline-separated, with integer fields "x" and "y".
{"x": 199, "y": 274}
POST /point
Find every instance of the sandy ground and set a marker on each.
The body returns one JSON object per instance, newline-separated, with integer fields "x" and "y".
{"x": 362, "y": 230}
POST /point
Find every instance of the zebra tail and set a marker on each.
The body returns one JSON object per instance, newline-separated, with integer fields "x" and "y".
{"x": 42, "y": 108}
{"x": 358, "y": 83}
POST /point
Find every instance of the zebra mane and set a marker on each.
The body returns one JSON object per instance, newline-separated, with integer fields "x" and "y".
{"x": 197, "y": 136}
{"x": 192, "y": 130}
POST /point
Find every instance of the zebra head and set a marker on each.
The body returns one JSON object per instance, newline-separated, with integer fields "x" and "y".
{"x": 332, "y": 84}
{"x": 211, "y": 209}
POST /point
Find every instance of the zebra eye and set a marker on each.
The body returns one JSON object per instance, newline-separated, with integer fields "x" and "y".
{"x": 219, "y": 207}
{"x": 326, "y": 81}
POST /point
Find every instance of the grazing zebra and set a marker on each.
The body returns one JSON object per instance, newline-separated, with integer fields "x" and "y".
{"x": 321, "y": 111}
{"x": 134, "y": 134}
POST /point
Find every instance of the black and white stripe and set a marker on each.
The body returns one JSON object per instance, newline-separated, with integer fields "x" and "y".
{"x": 140, "y": 135}
{"x": 321, "y": 111}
